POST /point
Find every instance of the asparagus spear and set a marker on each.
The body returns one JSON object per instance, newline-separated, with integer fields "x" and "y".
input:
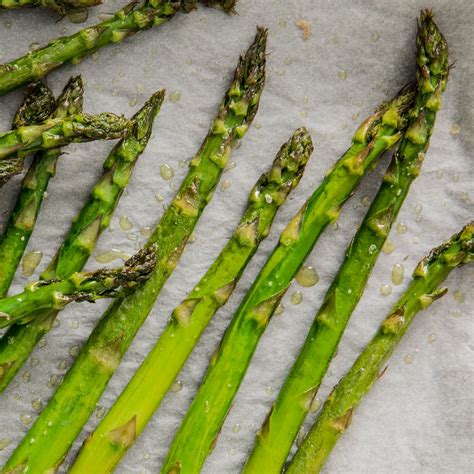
{"x": 81, "y": 286}
{"x": 36, "y": 107}
{"x": 71, "y": 49}
{"x": 55, "y": 132}
{"x": 23, "y": 219}
{"x": 76, "y": 398}
{"x": 62, "y": 7}
{"x": 336, "y": 414}
{"x": 131, "y": 412}
{"x": 18, "y": 342}
{"x": 200, "y": 428}
{"x": 275, "y": 438}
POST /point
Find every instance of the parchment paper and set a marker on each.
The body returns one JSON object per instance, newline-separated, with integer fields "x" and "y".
{"x": 418, "y": 417}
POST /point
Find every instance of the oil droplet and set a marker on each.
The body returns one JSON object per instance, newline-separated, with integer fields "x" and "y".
{"x": 258, "y": 125}
{"x": 182, "y": 163}
{"x": 54, "y": 380}
{"x": 297, "y": 297}
{"x": 26, "y": 376}
{"x": 74, "y": 350}
{"x": 455, "y": 177}
{"x": 34, "y": 362}
{"x": 175, "y": 96}
{"x": 315, "y": 405}
{"x": 282, "y": 23}
{"x": 280, "y": 309}
{"x": 62, "y": 365}
{"x": 280, "y": 73}
{"x": 401, "y": 228}
{"x": 100, "y": 411}
{"x": 26, "y": 419}
{"x": 78, "y": 15}
{"x": 110, "y": 255}
{"x": 300, "y": 437}
{"x": 125, "y": 223}
{"x": 431, "y": 338}
{"x": 342, "y": 74}
{"x": 225, "y": 185}
{"x": 365, "y": 201}
{"x": 42, "y": 343}
{"x": 231, "y": 451}
{"x": 408, "y": 359}
{"x": 177, "y": 386}
{"x": 30, "y": 261}
{"x": 304, "y": 114}
{"x": 269, "y": 389}
{"x": 34, "y": 46}
{"x": 166, "y": 172}
{"x": 159, "y": 197}
{"x": 418, "y": 209}
{"x": 37, "y": 404}
{"x": 133, "y": 237}
{"x": 115, "y": 92}
{"x": 132, "y": 102}
{"x": 95, "y": 56}
{"x": 375, "y": 36}
{"x": 386, "y": 290}
{"x": 307, "y": 276}
{"x": 465, "y": 197}
{"x": 439, "y": 174}
{"x": 459, "y": 296}
{"x": 75, "y": 324}
{"x": 146, "y": 231}
{"x": 305, "y": 99}
{"x": 287, "y": 61}
{"x": 455, "y": 129}
{"x": 4, "y": 443}
{"x": 398, "y": 272}
{"x": 236, "y": 428}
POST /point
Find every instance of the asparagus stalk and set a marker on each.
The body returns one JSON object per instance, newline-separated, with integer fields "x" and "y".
{"x": 71, "y": 49}
{"x": 36, "y": 107}
{"x": 336, "y": 414}
{"x": 19, "y": 340}
{"x": 76, "y": 398}
{"x": 56, "y": 132}
{"x": 275, "y": 438}
{"x": 132, "y": 410}
{"x": 23, "y": 219}
{"x": 81, "y": 286}
{"x": 62, "y": 7}
{"x": 200, "y": 428}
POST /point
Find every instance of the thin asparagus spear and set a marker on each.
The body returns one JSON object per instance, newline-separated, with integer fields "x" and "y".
{"x": 56, "y": 132}
{"x": 62, "y": 7}
{"x": 36, "y": 107}
{"x": 200, "y": 428}
{"x": 275, "y": 438}
{"x": 19, "y": 340}
{"x": 81, "y": 286}
{"x": 71, "y": 49}
{"x": 132, "y": 411}
{"x": 76, "y": 398}
{"x": 336, "y": 414}
{"x": 23, "y": 219}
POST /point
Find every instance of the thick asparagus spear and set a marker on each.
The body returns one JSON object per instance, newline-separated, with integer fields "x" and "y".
{"x": 36, "y": 107}
{"x": 62, "y": 7}
{"x": 132, "y": 411}
{"x": 71, "y": 49}
{"x": 56, "y": 132}
{"x": 336, "y": 414}
{"x": 23, "y": 219}
{"x": 200, "y": 428}
{"x": 19, "y": 340}
{"x": 76, "y": 398}
{"x": 81, "y": 286}
{"x": 275, "y": 438}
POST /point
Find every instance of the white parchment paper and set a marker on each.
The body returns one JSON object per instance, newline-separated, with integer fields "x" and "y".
{"x": 418, "y": 418}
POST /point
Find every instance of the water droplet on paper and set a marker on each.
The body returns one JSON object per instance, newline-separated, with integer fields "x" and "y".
{"x": 108, "y": 256}
{"x": 34, "y": 46}
{"x": 456, "y": 314}
{"x": 132, "y": 102}
{"x": 408, "y": 359}
{"x": 459, "y": 296}
{"x": 182, "y": 163}
{"x": 125, "y": 223}
{"x": 175, "y": 97}
{"x": 231, "y": 451}
{"x": 300, "y": 437}
{"x": 236, "y": 428}
{"x": 54, "y": 380}
{"x": 455, "y": 178}
{"x": 74, "y": 350}
{"x": 304, "y": 114}
{"x": 34, "y": 362}
{"x": 342, "y": 74}
{"x": 398, "y": 272}
{"x": 418, "y": 209}
{"x": 177, "y": 386}
{"x": 4, "y": 443}
{"x": 42, "y": 343}
{"x": 375, "y": 36}
{"x": 365, "y": 201}
{"x": 166, "y": 172}
{"x": 439, "y": 174}
{"x": 37, "y": 404}
{"x": 401, "y": 228}
{"x": 62, "y": 365}
{"x": 287, "y": 61}
{"x": 75, "y": 324}
{"x": 386, "y": 290}
{"x": 26, "y": 376}
{"x": 95, "y": 56}
{"x": 455, "y": 129}
{"x": 280, "y": 309}
{"x": 26, "y": 419}
{"x": 282, "y": 23}
{"x": 78, "y": 15}
{"x": 315, "y": 405}
{"x": 388, "y": 247}
{"x": 159, "y": 197}
{"x": 230, "y": 166}
{"x": 269, "y": 390}
{"x": 146, "y": 231}
{"x": 225, "y": 185}
{"x": 30, "y": 262}
{"x": 296, "y": 297}
{"x": 307, "y": 276}
{"x": 431, "y": 338}
{"x": 132, "y": 237}
{"x": 100, "y": 411}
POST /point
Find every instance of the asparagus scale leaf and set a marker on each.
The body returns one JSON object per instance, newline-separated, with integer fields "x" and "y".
{"x": 75, "y": 400}
{"x": 20, "y": 226}
{"x": 337, "y": 411}
{"x": 81, "y": 286}
{"x": 62, "y": 7}
{"x": 276, "y": 436}
{"x": 19, "y": 340}
{"x": 132, "y": 410}
{"x": 200, "y": 428}
{"x": 71, "y": 49}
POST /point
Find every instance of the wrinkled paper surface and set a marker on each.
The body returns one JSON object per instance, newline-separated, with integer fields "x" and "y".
{"x": 418, "y": 417}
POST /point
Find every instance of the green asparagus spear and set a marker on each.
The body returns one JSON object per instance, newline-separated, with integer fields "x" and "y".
{"x": 23, "y": 219}
{"x": 71, "y": 49}
{"x": 336, "y": 414}
{"x": 62, "y": 7}
{"x": 37, "y": 107}
{"x": 76, "y": 398}
{"x": 275, "y": 438}
{"x": 81, "y": 286}
{"x": 200, "y": 428}
{"x": 132, "y": 411}
{"x": 18, "y": 342}
{"x": 55, "y": 132}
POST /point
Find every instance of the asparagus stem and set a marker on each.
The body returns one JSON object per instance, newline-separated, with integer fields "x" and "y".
{"x": 75, "y": 400}
{"x": 81, "y": 286}
{"x": 200, "y": 428}
{"x": 336, "y": 414}
{"x": 132, "y": 410}
{"x": 62, "y": 7}
{"x": 23, "y": 219}
{"x": 275, "y": 438}
{"x": 36, "y": 107}
{"x": 19, "y": 340}
{"x": 71, "y": 49}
